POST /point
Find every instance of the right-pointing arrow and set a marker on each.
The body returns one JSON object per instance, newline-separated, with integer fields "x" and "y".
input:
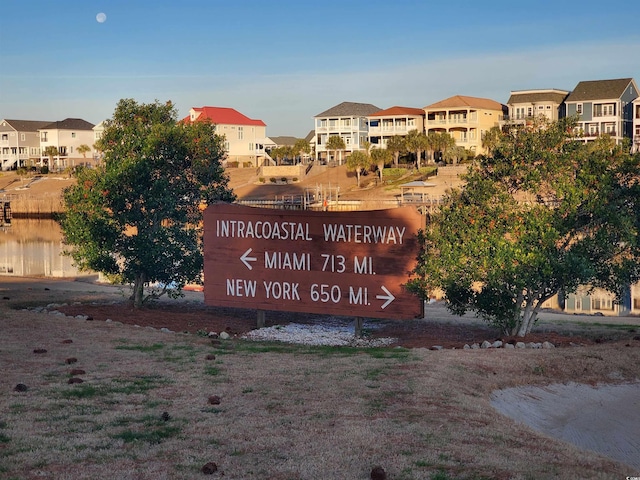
{"x": 388, "y": 297}
{"x": 246, "y": 259}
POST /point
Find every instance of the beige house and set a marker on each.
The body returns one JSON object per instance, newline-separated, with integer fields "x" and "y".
{"x": 394, "y": 121}
{"x": 528, "y": 104}
{"x": 245, "y": 138}
{"x": 466, "y": 119}
{"x": 67, "y": 135}
{"x": 19, "y": 143}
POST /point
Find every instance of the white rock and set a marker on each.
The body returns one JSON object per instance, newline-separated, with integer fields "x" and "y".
{"x": 508, "y": 346}
{"x": 485, "y": 344}
{"x": 466, "y": 347}
{"x": 497, "y": 344}
{"x": 521, "y": 345}
{"x": 224, "y": 336}
{"x": 548, "y": 345}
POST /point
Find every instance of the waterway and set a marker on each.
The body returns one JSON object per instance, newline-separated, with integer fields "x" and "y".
{"x": 30, "y": 247}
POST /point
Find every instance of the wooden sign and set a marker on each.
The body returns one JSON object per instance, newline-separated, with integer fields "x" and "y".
{"x": 335, "y": 263}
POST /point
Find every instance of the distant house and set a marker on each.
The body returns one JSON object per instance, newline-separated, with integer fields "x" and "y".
{"x": 19, "y": 143}
{"x": 636, "y": 125}
{"x": 604, "y": 106}
{"x": 66, "y": 135}
{"x": 394, "y": 121}
{"x": 466, "y": 119}
{"x": 528, "y": 104}
{"x": 347, "y": 120}
{"x": 244, "y": 137}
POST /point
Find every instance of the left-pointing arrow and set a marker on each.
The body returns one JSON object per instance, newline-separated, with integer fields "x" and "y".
{"x": 246, "y": 259}
{"x": 388, "y": 297}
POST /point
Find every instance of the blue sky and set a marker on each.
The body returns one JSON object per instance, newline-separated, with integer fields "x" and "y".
{"x": 285, "y": 61}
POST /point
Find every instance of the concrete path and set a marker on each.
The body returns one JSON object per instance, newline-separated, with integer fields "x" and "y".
{"x": 604, "y": 419}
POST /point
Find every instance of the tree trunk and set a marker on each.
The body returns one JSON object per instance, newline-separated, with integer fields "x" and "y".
{"x": 358, "y": 177}
{"x": 137, "y": 296}
{"x": 528, "y": 318}
{"x": 396, "y": 158}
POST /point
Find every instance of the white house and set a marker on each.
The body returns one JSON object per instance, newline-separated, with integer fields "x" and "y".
{"x": 67, "y": 135}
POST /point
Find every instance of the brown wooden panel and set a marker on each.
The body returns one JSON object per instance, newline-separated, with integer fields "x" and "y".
{"x": 338, "y": 263}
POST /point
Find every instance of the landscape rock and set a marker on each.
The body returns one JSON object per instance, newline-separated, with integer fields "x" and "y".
{"x": 475, "y": 346}
{"x": 214, "y": 400}
{"x": 71, "y": 360}
{"x": 21, "y": 387}
{"x": 466, "y": 347}
{"x": 497, "y": 344}
{"x": 224, "y": 336}
{"x": 75, "y": 380}
{"x": 509, "y": 346}
{"x": 209, "y": 468}
{"x": 437, "y": 347}
{"x": 521, "y": 345}
{"x": 548, "y": 345}
{"x": 486, "y": 344}
{"x": 378, "y": 473}
{"x": 39, "y": 350}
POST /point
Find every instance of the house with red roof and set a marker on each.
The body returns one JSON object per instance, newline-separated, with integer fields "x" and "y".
{"x": 394, "y": 121}
{"x": 465, "y": 118}
{"x": 244, "y": 137}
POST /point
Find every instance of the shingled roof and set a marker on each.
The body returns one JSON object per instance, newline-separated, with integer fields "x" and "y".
{"x": 69, "y": 124}
{"x": 599, "y": 90}
{"x": 532, "y": 96}
{"x": 397, "y": 111}
{"x": 347, "y": 109}
{"x": 464, "y": 101}
{"x": 26, "y": 125}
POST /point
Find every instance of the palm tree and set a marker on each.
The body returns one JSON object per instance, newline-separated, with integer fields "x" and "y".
{"x": 491, "y": 139}
{"x": 380, "y": 157}
{"x": 443, "y": 143}
{"x": 335, "y": 143}
{"x": 417, "y": 143}
{"x": 51, "y": 151}
{"x": 397, "y": 146}
{"x": 357, "y": 162}
{"x": 83, "y": 150}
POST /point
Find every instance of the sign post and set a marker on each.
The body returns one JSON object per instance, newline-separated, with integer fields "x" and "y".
{"x": 335, "y": 263}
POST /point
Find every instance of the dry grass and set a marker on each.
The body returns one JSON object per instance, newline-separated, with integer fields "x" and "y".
{"x": 285, "y": 412}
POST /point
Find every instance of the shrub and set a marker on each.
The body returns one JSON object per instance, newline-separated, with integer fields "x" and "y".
{"x": 295, "y": 179}
{"x": 232, "y": 164}
{"x": 44, "y": 170}
{"x": 273, "y": 180}
{"x": 283, "y": 179}
{"x": 261, "y": 179}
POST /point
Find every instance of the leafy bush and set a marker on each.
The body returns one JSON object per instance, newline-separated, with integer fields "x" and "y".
{"x": 273, "y": 180}
{"x": 261, "y": 179}
{"x": 44, "y": 170}
{"x": 283, "y": 179}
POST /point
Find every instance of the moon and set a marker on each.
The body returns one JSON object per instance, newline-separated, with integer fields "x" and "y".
{"x": 101, "y": 17}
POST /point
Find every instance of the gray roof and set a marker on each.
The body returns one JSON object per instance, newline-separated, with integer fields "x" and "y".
{"x": 69, "y": 124}
{"x": 310, "y": 136}
{"x": 346, "y": 109}
{"x": 26, "y": 125}
{"x": 536, "y": 97}
{"x": 599, "y": 90}
{"x": 284, "y": 140}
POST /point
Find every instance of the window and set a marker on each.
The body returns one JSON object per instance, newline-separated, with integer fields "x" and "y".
{"x": 23, "y": 137}
{"x": 5, "y": 137}
{"x": 541, "y": 107}
{"x": 548, "y": 107}
{"x": 251, "y": 147}
{"x": 70, "y": 149}
{"x": 579, "y": 108}
{"x": 43, "y": 137}
{"x": 226, "y": 146}
{"x": 346, "y": 122}
{"x": 529, "y": 111}
{"x": 240, "y": 133}
{"x": 411, "y": 122}
{"x": 601, "y": 304}
{"x": 73, "y": 134}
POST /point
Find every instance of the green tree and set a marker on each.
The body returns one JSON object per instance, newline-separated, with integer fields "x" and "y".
{"x": 491, "y": 139}
{"x": 138, "y": 216}
{"x": 416, "y": 142}
{"x": 397, "y": 146}
{"x": 542, "y": 215}
{"x": 83, "y": 150}
{"x": 336, "y": 144}
{"x": 358, "y": 162}
{"x": 380, "y": 157}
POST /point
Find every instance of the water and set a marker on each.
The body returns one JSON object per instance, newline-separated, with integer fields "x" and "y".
{"x": 30, "y": 248}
